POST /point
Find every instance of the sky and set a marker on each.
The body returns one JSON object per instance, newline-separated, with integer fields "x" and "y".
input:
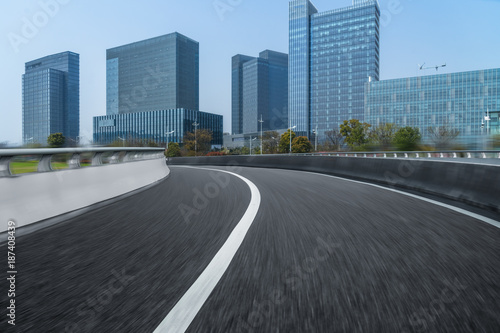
{"x": 463, "y": 34}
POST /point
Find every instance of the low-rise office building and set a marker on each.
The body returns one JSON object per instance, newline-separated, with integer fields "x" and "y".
{"x": 466, "y": 101}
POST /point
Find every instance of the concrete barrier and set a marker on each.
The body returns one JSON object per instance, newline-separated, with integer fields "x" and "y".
{"x": 474, "y": 184}
{"x": 34, "y": 197}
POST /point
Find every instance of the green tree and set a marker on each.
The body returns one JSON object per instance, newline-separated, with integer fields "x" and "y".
{"x": 201, "y": 142}
{"x": 383, "y": 135}
{"x": 407, "y": 138}
{"x": 56, "y": 140}
{"x": 284, "y": 146}
{"x": 270, "y": 142}
{"x": 173, "y": 150}
{"x": 355, "y": 133}
{"x": 245, "y": 150}
{"x": 301, "y": 145}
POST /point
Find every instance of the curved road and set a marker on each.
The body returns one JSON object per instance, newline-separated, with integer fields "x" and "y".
{"x": 322, "y": 255}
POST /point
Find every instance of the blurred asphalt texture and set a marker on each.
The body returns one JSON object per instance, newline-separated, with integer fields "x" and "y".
{"x": 323, "y": 255}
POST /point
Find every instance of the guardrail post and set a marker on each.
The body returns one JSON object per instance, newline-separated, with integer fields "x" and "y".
{"x": 429, "y": 155}
{"x": 364, "y": 155}
{"x": 74, "y": 161}
{"x": 406, "y": 155}
{"x": 469, "y": 155}
{"x": 418, "y": 155}
{"x": 484, "y": 155}
{"x": 385, "y": 155}
{"x": 97, "y": 159}
{"x": 45, "y": 164}
{"x": 441, "y": 155}
{"x": 454, "y": 155}
{"x": 128, "y": 156}
{"x": 115, "y": 158}
{"x": 5, "y": 166}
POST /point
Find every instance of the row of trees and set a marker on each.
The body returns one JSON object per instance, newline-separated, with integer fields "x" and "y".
{"x": 352, "y": 134}
{"x": 361, "y": 136}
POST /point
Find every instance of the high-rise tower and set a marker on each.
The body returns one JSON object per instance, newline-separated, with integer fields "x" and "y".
{"x": 51, "y": 98}
{"x": 332, "y": 55}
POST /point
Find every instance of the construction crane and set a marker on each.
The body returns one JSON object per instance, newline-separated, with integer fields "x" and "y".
{"x": 421, "y": 67}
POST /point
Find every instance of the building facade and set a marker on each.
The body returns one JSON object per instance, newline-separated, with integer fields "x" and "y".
{"x": 153, "y": 93}
{"x": 160, "y": 73}
{"x": 154, "y": 125}
{"x": 332, "y": 55}
{"x": 460, "y": 101}
{"x": 260, "y": 92}
{"x": 237, "y": 92}
{"x": 51, "y": 98}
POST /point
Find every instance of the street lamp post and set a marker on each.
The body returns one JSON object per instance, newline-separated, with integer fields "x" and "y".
{"x": 290, "y": 134}
{"x": 251, "y": 143}
{"x": 195, "y": 124}
{"x": 261, "y": 121}
{"x": 168, "y": 134}
{"x": 316, "y": 138}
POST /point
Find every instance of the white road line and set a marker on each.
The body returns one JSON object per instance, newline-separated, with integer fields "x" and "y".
{"x": 437, "y": 203}
{"x": 183, "y": 313}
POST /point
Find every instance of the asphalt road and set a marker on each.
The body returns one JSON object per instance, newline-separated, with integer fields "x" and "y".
{"x": 322, "y": 255}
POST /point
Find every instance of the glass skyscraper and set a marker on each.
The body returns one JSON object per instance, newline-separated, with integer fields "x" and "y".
{"x": 299, "y": 65}
{"x": 153, "y": 89}
{"x": 160, "y": 73}
{"x": 51, "y": 98}
{"x": 237, "y": 92}
{"x": 260, "y": 91}
{"x": 332, "y": 55}
{"x": 458, "y": 100}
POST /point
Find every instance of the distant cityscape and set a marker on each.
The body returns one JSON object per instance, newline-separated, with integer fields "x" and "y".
{"x": 330, "y": 75}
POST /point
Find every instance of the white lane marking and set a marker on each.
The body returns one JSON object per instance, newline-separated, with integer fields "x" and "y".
{"x": 437, "y": 203}
{"x": 183, "y": 313}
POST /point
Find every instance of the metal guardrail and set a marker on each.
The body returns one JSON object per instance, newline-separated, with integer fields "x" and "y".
{"x": 482, "y": 154}
{"x": 117, "y": 155}
{"x": 414, "y": 154}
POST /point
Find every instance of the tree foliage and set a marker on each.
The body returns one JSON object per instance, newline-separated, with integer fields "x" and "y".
{"x": 383, "y": 135}
{"x": 56, "y": 140}
{"x": 355, "y": 133}
{"x": 301, "y": 145}
{"x": 270, "y": 142}
{"x": 173, "y": 150}
{"x": 284, "y": 146}
{"x": 443, "y": 136}
{"x": 407, "y": 138}
{"x": 334, "y": 140}
{"x": 201, "y": 142}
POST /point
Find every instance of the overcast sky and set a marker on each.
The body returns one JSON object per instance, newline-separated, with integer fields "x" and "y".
{"x": 463, "y": 34}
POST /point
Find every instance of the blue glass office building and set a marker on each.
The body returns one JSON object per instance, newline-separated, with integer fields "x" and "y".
{"x": 160, "y": 73}
{"x": 457, "y": 100}
{"x": 299, "y": 65}
{"x": 152, "y": 89}
{"x": 154, "y": 124}
{"x": 260, "y": 91}
{"x": 237, "y": 92}
{"x": 332, "y": 55}
{"x": 51, "y": 98}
